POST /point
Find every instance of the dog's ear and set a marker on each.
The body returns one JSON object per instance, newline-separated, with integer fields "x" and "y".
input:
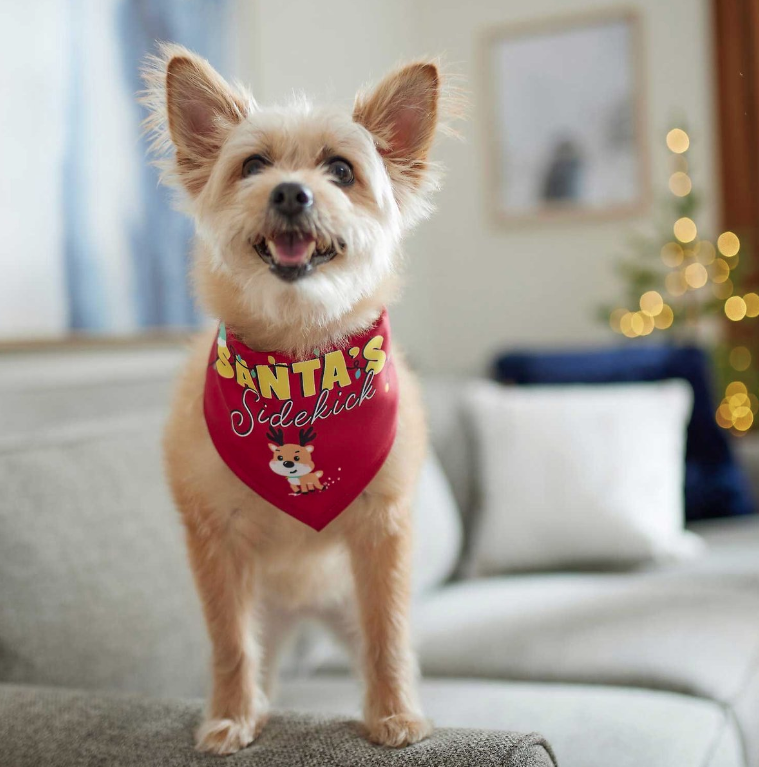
{"x": 402, "y": 114}
{"x": 193, "y": 108}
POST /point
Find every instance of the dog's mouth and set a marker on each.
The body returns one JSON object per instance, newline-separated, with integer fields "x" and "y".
{"x": 293, "y": 255}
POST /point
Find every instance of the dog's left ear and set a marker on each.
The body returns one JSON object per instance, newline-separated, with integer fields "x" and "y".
{"x": 402, "y": 113}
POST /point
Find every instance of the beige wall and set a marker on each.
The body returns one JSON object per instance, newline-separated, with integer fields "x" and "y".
{"x": 480, "y": 287}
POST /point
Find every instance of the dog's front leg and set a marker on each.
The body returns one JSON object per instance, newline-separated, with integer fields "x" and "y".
{"x": 224, "y": 574}
{"x": 381, "y": 562}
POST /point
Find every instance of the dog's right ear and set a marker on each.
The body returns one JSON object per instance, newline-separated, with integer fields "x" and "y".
{"x": 193, "y": 108}
{"x": 401, "y": 113}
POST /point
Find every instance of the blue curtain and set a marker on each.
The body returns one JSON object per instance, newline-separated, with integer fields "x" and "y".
{"x": 156, "y": 238}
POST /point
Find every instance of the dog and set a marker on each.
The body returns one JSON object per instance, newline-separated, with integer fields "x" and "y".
{"x": 299, "y": 213}
{"x": 294, "y": 461}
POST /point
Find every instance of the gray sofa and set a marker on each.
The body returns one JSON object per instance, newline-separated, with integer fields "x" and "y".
{"x": 103, "y": 654}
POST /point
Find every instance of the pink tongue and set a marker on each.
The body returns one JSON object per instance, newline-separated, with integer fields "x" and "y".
{"x": 292, "y": 250}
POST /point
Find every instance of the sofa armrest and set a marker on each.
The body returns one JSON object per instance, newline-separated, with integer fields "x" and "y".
{"x": 65, "y": 728}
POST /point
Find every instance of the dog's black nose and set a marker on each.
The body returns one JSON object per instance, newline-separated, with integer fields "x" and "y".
{"x": 288, "y": 464}
{"x": 290, "y": 198}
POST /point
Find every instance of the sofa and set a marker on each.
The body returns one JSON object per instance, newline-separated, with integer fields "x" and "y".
{"x": 103, "y": 653}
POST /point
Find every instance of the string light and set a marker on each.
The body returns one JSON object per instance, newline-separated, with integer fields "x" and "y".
{"x": 678, "y": 141}
{"x": 696, "y": 276}
{"x": 685, "y": 229}
{"x": 615, "y": 319}
{"x": 680, "y": 184}
{"x": 735, "y": 387}
{"x": 738, "y": 407}
{"x": 675, "y": 284}
{"x": 692, "y": 264}
{"x": 752, "y": 304}
{"x": 664, "y": 319}
{"x": 705, "y": 252}
{"x": 728, "y": 244}
{"x": 651, "y": 303}
{"x": 672, "y": 254}
{"x": 740, "y": 358}
{"x": 720, "y": 270}
{"x": 735, "y": 308}
{"x": 625, "y": 325}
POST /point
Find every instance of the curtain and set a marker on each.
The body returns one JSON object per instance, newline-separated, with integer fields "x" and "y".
{"x": 125, "y": 249}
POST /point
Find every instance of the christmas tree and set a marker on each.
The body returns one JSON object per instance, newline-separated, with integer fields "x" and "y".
{"x": 679, "y": 283}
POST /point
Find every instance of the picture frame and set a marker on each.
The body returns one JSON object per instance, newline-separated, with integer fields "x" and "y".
{"x": 565, "y": 119}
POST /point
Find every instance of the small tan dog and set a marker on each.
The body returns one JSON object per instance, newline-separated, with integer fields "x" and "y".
{"x": 295, "y": 271}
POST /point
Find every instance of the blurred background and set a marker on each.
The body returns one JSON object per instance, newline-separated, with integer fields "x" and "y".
{"x": 592, "y": 132}
{"x": 564, "y": 163}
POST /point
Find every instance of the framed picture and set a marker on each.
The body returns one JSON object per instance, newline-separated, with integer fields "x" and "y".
{"x": 565, "y": 123}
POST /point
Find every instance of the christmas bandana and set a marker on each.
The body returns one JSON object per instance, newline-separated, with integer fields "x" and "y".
{"x": 307, "y": 435}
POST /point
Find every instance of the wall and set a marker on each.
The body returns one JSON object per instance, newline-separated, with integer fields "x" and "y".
{"x": 539, "y": 285}
{"x": 479, "y": 287}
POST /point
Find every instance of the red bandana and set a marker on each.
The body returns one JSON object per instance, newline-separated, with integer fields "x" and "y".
{"x": 306, "y": 435}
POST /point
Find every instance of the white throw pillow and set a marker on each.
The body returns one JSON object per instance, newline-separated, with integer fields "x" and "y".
{"x": 438, "y": 533}
{"x": 580, "y": 475}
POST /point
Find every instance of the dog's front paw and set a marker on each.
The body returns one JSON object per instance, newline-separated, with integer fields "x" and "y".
{"x": 399, "y": 730}
{"x": 227, "y": 736}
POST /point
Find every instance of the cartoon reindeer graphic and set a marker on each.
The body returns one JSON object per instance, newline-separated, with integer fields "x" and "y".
{"x": 295, "y": 461}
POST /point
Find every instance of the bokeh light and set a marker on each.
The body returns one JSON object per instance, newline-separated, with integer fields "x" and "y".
{"x": 728, "y": 244}
{"x": 705, "y": 252}
{"x": 672, "y": 254}
{"x": 743, "y": 418}
{"x": 740, "y": 358}
{"x": 615, "y": 319}
{"x": 752, "y": 304}
{"x": 735, "y": 308}
{"x": 651, "y": 303}
{"x": 675, "y": 284}
{"x": 625, "y": 325}
{"x": 720, "y": 270}
{"x": 696, "y": 276}
{"x": 737, "y": 409}
{"x": 735, "y": 387}
{"x": 680, "y": 184}
{"x": 685, "y": 229}
{"x": 664, "y": 319}
{"x": 678, "y": 141}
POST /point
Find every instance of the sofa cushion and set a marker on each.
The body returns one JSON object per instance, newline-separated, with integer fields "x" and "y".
{"x": 95, "y": 590}
{"x": 715, "y": 483}
{"x": 61, "y": 728}
{"x": 571, "y": 475}
{"x": 437, "y": 528}
{"x": 698, "y": 636}
{"x": 61, "y": 388}
{"x": 587, "y": 726}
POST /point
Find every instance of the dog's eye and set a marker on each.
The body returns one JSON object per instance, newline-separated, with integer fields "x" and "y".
{"x": 254, "y": 164}
{"x": 341, "y": 170}
{"x": 280, "y": 458}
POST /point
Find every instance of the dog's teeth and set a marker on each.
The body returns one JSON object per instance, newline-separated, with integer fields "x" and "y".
{"x": 311, "y": 249}
{"x": 271, "y": 246}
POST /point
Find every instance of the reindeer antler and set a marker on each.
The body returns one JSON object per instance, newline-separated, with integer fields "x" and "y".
{"x": 306, "y": 436}
{"x": 276, "y": 435}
